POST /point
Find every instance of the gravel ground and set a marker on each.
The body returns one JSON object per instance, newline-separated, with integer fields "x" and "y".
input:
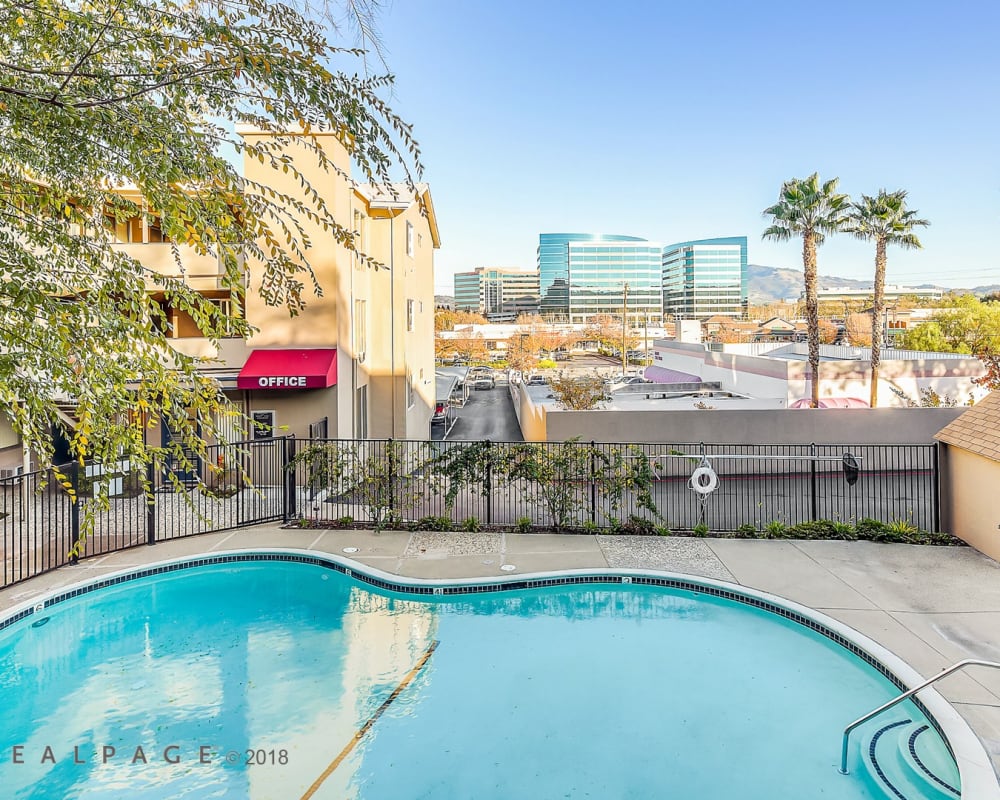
{"x": 690, "y": 556}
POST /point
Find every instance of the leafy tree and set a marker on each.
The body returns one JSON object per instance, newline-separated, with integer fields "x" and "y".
{"x": 580, "y": 393}
{"x": 445, "y": 319}
{"x": 811, "y": 210}
{"x": 470, "y": 346}
{"x": 827, "y": 332}
{"x": 607, "y": 332}
{"x": 144, "y": 95}
{"x": 886, "y": 220}
{"x": 968, "y": 326}
{"x": 859, "y": 330}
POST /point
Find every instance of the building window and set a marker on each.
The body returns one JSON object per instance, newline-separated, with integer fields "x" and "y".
{"x": 411, "y": 395}
{"x": 360, "y": 329}
{"x": 409, "y": 239}
{"x": 410, "y": 308}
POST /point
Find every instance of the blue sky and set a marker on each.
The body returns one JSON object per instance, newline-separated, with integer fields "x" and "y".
{"x": 680, "y": 121}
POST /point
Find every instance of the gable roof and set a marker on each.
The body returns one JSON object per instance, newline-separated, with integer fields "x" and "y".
{"x": 777, "y": 322}
{"x": 977, "y": 430}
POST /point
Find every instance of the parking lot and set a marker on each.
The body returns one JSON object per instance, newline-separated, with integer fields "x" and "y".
{"x": 488, "y": 414}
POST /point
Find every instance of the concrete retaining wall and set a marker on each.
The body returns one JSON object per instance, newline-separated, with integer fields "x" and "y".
{"x": 777, "y": 426}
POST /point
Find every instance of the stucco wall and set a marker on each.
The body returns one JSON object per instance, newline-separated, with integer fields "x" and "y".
{"x": 798, "y": 426}
{"x": 970, "y": 502}
{"x": 531, "y": 417}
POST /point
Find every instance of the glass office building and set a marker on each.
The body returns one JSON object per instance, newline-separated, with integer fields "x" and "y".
{"x": 705, "y": 277}
{"x": 500, "y": 294}
{"x": 583, "y": 275}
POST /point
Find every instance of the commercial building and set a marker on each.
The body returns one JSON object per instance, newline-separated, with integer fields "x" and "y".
{"x": 357, "y": 361}
{"x": 705, "y": 278}
{"x": 891, "y": 293}
{"x": 584, "y": 275}
{"x": 497, "y": 293}
{"x": 780, "y": 370}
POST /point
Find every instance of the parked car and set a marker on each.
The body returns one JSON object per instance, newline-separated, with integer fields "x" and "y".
{"x": 483, "y": 381}
{"x": 440, "y": 412}
{"x": 537, "y": 380}
{"x": 561, "y": 355}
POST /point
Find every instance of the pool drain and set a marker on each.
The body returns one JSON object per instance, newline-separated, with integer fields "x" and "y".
{"x": 508, "y": 567}
{"x": 351, "y": 549}
{"x": 40, "y": 622}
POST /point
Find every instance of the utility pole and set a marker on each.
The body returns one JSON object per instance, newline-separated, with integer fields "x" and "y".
{"x": 624, "y": 325}
{"x": 645, "y": 340}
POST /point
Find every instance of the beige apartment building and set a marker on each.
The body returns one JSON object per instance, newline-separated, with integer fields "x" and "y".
{"x": 358, "y": 361}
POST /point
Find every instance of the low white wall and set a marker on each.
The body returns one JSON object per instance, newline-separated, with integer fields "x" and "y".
{"x": 530, "y": 417}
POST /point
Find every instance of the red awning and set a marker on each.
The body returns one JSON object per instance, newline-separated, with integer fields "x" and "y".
{"x": 289, "y": 369}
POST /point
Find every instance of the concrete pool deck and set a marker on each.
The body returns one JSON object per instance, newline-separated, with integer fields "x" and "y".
{"x": 931, "y": 606}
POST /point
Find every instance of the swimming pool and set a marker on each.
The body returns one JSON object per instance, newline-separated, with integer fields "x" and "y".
{"x": 256, "y": 676}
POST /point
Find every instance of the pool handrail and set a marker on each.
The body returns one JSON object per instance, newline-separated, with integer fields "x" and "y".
{"x": 968, "y": 662}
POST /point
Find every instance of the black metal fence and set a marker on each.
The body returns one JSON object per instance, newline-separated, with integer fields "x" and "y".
{"x": 564, "y": 485}
{"x": 586, "y": 485}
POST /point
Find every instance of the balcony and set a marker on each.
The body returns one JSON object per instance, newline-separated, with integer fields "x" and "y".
{"x": 201, "y": 272}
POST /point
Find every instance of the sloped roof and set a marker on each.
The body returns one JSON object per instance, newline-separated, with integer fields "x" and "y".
{"x": 977, "y": 430}
{"x": 777, "y": 322}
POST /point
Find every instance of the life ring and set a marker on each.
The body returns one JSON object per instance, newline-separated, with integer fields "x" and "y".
{"x": 704, "y": 480}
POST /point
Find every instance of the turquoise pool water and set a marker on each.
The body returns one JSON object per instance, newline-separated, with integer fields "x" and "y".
{"x": 591, "y": 690}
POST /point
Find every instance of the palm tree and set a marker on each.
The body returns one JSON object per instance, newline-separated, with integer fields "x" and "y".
{"x": 811, "y": 210}
{"x": 887, "y": 220}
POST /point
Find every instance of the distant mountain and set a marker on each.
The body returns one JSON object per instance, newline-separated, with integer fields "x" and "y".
{"x": 771, "y": 284}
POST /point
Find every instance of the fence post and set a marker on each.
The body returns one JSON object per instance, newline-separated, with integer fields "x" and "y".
{"x": 488, "y": 484}
{"x": 288, "y": 467}
{"x": 392, "y": 476}
{"x": 74, "y": 510}
{"x": 812, "y": 480}
{"x": 936, "y": 494}
{"x": 151, "y": 504}
{"x": 593, "y": 482}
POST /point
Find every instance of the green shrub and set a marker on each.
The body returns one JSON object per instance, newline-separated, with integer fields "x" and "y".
{"x": 470, "y": 525}
{"x": 701, "y": 529}
{"x": 746, "y": 531}
{"x": 901, "y": 526}
{"x": 547, "y": 363}
{"x": 775, "y": 529}
{"x": 663, "y": 530}
{"x": 432, "y": 523}
{"x": 869, "y": 529}
{"x": 344, "y": 522}
{"x": 523, "y": 525}
{"x": 593, "y": 527}
{"x": 637, "y": 526}
{"x": 820, "y": 529}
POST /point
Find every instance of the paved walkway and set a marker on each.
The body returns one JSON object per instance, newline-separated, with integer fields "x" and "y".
{"x": 931, "y": 606}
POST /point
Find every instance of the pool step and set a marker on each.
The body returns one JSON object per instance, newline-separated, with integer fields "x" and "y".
{"x": 908, "y": 761}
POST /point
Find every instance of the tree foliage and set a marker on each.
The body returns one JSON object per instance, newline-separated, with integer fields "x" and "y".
{"x": 445, "y": 319}
{"x": 858, "y": 328}
{"x": 580, "y": 393}
{"x": 968, "y": 326}
{"x": 883, "y": 219}
{"x": 811, "y": 210}
{"x": 98, "y": 96}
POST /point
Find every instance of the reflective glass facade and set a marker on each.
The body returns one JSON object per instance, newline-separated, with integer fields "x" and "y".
{"x": 705, "y": 277}
{"x": 496, "y": 292}
{"x": 582, "y": 275}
